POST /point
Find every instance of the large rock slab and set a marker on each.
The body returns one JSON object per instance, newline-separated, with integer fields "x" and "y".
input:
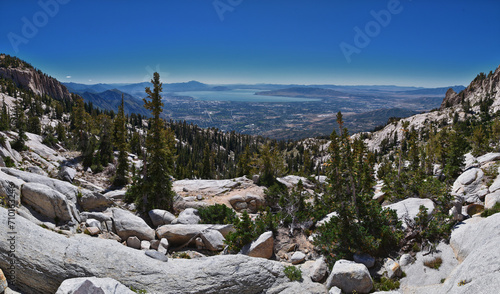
{"x": 128, "y": 224}
{"x": 291, "y": 181}
{"x": 206, "y": 187}
{"x": 250, "y": 202}
{"x": 488, "y": 157}
{"x": 409, "y": 208}
{"x": 418, "y": 275}
{"x": 10, "y": 189}
{"x": 34, "y": 142}
{"x": 49, "y": 202}
{"x": 181, "y": 234}
{"x": 303, "y": 287}
{"x": 470, "y": 186}
{"x": 474, "y": 233}
{"x": 350, "y": 276}
{"x": 93, "y": 285}
{"x": 491, "y": 199}
{"x": 45, "y": 259}
{"x": 6, "y": 150}
{"x": 479, "y": 272}
{"x": 262, "y": 247}
{"x": 70, "y": 191}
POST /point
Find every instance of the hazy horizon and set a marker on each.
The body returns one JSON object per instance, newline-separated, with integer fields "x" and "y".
{"x": 391, "y": 42}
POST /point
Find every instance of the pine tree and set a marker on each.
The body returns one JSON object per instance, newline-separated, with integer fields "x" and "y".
{"x": 155, "y": 188}
{"x": 361, "y": 225}
{"x": 207, "y": 163}
{"x": 121, "y": 143}
{"x": 19, "y": 143}
{"x": 4, "y": 117}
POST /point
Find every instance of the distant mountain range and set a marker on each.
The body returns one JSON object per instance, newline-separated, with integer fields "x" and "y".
{"x": 111, "y": 100}
{"x": 137, "y": 89}
{"x": 433, "y": 91}
{"x": 303, "y": 92}
{"x": 312, "y": 91}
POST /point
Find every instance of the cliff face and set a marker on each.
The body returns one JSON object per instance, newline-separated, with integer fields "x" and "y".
{"x": 27, "y": 77}
{"x": 483, "y": 86}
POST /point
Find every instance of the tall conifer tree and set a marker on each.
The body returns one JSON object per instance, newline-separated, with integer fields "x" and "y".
{"x": 154, "y": 190}
{"x": 121, "y": 144}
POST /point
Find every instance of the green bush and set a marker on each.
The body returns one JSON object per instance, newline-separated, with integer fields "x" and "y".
{"x": 8, "y": 161}
{"x": 247, "y": 230}
{"x": 376, "y": 233}
{"x": 293, "y": 273}
{"x": 491, "y": 211}
{"x": 385, "y": 284}
{"x": 217, "y": 214}
{"x": 140, "y": 291}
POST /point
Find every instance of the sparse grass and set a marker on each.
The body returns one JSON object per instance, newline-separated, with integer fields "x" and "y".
{"x": 491, "y": 173}
{"x": 293, "y": 273}
{"x": 181, "y": 255}
{"x": 415, "y": 247}
{"x": 491, "y": 211}
{"x": 434, "y": 263}
{"x": 385, "y": 284}
{"x": 138, "y": 290}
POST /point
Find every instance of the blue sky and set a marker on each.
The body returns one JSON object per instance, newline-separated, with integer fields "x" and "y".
{"x": 424, "y": 43}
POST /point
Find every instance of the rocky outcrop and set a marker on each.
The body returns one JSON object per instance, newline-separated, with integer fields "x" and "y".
{"x": 127, "y": 225}
{"x": 213, "y": 240}
{"x": 36, "y": 81}
{"x": 93, "y": 285}
{"x": 469, "y": 186}
{"x": 70, "y": 191}
{"x": 451, "y": 98}
{"x": 491, "y": 199}
{"x": 10, "y": 189}
{"x": 160, "y": 217}
{"x": 319, "y": 270}
{"x": 248, "y": 202}
{"x": 262, "y": 247}
{"x": 303, "y": 287}
{"x": 473, "y": 233}
{"x": 86, "y": 199}
{"x": 45, "y": 259}
{"x": 49, "y": 203}
{"x": 189, "y": 216}
{"x": 409, "y": 208}
{"x": 67, "y": 174}
{"x": 93, "y": 201}
{"x": 476, "y": 244}
{"x": 477, "y": 89}
{"x": 420, "y": 277}
{"x": 178, "y": 235}
{"x": 350, "y": 276}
